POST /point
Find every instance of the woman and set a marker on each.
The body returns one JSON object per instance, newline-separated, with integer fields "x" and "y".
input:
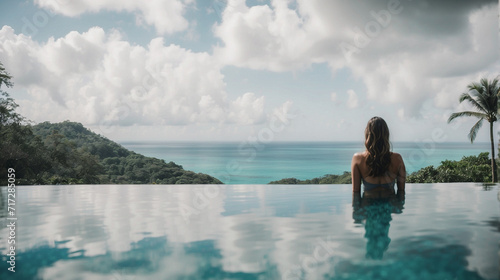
{"x": 377, "y": 167}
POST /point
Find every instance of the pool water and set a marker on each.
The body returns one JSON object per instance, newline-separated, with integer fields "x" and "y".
{"x": 435, "y": 231}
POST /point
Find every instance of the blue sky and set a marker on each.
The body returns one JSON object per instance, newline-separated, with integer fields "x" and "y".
{"x": 231, "y": 70}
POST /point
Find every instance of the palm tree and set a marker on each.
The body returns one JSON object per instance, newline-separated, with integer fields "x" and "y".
{"x": 483, "y": 96}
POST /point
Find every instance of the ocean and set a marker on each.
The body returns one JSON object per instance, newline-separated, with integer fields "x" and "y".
{"x": 260, "y": 163}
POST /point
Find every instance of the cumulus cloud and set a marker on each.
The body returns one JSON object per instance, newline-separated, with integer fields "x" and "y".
{"x": 245, "y": 107}
{"x": 167, "y": 16}
{"x": 263, "y": 37}
{"x": 405, "y": 52}
{"x": 97, "y": 77}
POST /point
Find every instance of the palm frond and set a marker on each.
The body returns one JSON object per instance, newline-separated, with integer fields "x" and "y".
{"x": 474, "y": 86}
{"x": 473, "y": 131}
{"x": 484, "y": 99}
{"x": 485, "y": 93}
{"x": 484, "y": 82}
{"x": 475, "y": 104}
{"x": 493, "y": 84}
{"x": 467, "y": 114}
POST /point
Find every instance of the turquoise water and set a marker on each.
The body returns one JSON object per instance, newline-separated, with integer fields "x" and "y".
{"x": 437, "y": 231}
{"x": 259, "y": 163}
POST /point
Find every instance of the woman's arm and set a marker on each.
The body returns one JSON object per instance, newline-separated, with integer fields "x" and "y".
{"x": 355, "y": 173}
{"x": 401, "y": 177}
{"x": 357, "y": 214}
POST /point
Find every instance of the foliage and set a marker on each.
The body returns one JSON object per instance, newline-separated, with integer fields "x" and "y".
{"x": 468, "y": 169}
{"x": 5, "y": 77}
{"x": 326, "y": 179}
{"x": 19, "y": 148}
{"x": 23, "y": 151}
{"x": 115, "y": 164}
{"x": 425, "y": 175}
{"x": 70, "y": 164}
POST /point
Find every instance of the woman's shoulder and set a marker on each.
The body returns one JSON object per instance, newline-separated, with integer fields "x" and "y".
{"x": 358, "y": 158}
{"x": 359, "y": 155}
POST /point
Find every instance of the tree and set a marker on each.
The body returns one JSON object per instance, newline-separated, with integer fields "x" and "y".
{"x": 483, "y": 97}
{"x": 4, "y": 77}
{"x": 8, "y": 107}
{"x": 19, "y": 148}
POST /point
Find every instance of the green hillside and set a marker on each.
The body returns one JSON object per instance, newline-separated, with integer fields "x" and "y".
{"x": 69, "y": 153}
{"x": 118, "y": 165}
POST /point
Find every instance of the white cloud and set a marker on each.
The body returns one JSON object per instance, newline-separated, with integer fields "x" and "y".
{"x": 352, "y": 101}
{"x": 245, "y": 108}
{"x": 98, "y": 78}
{"x": 427, "y": 51}
{"x": 167, "y": 16}
{"x": 264, "y": 37}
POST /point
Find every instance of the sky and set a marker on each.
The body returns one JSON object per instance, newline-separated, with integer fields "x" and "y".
{"x": 235, "y": 70}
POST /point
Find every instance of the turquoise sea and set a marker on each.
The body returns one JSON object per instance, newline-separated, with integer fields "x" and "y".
{"x": 260, "y": 163}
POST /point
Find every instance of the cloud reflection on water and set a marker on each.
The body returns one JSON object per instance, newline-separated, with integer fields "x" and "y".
{"x": 252, "y": 232}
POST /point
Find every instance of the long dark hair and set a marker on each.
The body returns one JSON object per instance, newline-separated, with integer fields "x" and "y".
{"x": 378, "y": 146}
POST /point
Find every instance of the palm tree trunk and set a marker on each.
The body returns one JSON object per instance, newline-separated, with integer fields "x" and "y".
{"x": 493, "y": 163}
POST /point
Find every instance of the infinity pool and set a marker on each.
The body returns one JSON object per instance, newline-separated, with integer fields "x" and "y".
{"x": 437, "y": 231}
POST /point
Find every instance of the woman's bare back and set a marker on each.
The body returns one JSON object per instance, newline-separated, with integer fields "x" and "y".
{"x": 360, "y": 170}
